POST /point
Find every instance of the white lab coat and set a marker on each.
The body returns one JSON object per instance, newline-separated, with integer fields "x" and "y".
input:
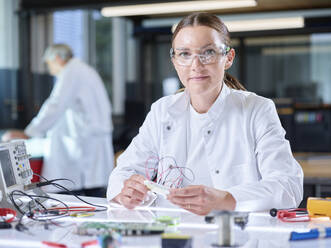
{"x": 246, "y": 150}
{"x": 77, "y": 121}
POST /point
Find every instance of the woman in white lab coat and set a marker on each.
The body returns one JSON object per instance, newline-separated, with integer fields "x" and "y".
{"x": 216, "y": 145}
{"x": 76, "y": 118}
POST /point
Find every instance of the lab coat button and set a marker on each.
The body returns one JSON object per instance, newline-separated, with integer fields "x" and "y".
{"x": 208, "y": 132}
{"x": 217, "y": 171}
{"x": 168, "y": 127}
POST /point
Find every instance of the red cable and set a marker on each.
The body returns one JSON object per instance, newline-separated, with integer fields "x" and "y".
{"x": 53, "y": 244}
{"x": 75, "y": 209}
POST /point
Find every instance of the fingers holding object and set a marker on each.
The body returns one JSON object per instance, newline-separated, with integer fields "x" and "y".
{"x": 136, "y": 185}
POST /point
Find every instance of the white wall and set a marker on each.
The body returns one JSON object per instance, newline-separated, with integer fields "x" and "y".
{"x": 9, "y": 53}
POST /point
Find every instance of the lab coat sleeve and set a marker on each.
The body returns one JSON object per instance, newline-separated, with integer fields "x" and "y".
{"x": 281, "y": 183}
{"x": 60, "y": 98}
{"x": 133, "y": 160}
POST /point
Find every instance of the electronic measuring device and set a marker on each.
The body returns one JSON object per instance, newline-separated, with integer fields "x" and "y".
{"x": 318, "y": 207}
{"x": 15, "y": 174}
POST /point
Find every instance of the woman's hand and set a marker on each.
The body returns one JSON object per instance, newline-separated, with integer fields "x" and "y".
{"x": 133, "y": 192}
{"x": 200, "y": 199}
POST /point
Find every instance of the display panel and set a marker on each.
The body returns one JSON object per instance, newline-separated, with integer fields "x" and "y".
{"x": 7, "y": 168}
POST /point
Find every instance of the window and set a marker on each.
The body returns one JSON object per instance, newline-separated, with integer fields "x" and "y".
{"x": 68, "y": 28}
{"x": 290, "y": 66}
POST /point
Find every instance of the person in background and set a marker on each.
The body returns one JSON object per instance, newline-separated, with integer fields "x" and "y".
{"x": 216, "y": 145}
{"x": 76, "y": 118}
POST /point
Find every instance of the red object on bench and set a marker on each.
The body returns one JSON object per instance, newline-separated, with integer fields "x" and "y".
{"x": 36, "y": 165}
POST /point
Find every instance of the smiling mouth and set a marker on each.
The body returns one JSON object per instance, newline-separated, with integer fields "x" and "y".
{"x": 198, "y": 78}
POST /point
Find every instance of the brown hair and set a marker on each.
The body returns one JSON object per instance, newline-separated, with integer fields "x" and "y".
{"x": 212, "y": 21}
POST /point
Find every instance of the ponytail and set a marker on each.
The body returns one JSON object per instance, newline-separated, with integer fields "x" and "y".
{"x": 232, "y": 82}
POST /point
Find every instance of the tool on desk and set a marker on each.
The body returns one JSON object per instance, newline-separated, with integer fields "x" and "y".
{"x": 226, "y": 220}
{"x": 291, "y": 214}
{"x": 240, "y": 219}
{"x": 312, "y": 234}
{"x": 318, "y": 207}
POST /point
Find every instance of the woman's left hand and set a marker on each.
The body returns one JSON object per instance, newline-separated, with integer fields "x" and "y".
{"x": 200, "y": 199}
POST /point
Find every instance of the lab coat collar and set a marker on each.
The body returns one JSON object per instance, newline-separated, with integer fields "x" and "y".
{"x": 216, "y": 109}
{"x": 181, "y": 104}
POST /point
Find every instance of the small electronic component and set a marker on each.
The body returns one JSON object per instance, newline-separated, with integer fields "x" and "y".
{"x": 124, "y": 229}
{"x": 174, "y": 240}
{"x": 168, "y": 220}
{"x": 157, "y": 188}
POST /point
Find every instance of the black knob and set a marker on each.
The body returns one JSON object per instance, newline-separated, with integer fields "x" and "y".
{"x": 273, "y": 212}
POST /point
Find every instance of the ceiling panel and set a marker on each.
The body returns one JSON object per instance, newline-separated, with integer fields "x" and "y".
{"x": 36, "y": 6}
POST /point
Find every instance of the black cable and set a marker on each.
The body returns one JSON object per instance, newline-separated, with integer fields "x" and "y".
{"x": 11, "y": 198}
{"x": 40, "y": 176}
{"x": 21, "y": 193}
{"x": 59, "y": 186}
{"x": 21, "y": 227}
{"x": 48, "y": 182}
{"x": 31, "y": 215}
{"x": 104, "y": 208}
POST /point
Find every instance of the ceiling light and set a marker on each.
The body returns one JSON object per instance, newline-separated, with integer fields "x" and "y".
{"x": 175, "y": 7}
{"x": 265, "y": 24}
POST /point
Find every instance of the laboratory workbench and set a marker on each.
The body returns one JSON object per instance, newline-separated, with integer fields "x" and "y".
{"x": 262, "y": 230}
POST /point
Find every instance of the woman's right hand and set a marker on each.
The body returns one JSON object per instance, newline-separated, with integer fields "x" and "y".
{"x": 133, "y": 192}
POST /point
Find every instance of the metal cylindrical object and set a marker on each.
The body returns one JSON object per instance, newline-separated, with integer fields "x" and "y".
{"x": 225, "y": 224}
{"x": 226, "y": 220}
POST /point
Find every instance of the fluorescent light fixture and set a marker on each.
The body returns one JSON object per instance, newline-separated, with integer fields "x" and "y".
{"x": 175, "y": 7}
{"x": 265, "y": 24}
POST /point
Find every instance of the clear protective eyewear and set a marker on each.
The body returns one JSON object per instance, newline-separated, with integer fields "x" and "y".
{"x": 208, "y": 55}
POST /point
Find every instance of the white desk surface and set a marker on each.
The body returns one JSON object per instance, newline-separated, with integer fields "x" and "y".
{"x": 262, "y": 230}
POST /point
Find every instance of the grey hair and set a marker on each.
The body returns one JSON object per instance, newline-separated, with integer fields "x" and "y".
{"x": 61, "y": 50}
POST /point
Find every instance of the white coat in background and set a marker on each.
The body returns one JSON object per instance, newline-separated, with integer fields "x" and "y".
{"x": 245, "y": 149}
{"x": 76, "y": 118}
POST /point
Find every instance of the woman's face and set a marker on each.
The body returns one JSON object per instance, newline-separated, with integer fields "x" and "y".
{"x": 195, "y": 44}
